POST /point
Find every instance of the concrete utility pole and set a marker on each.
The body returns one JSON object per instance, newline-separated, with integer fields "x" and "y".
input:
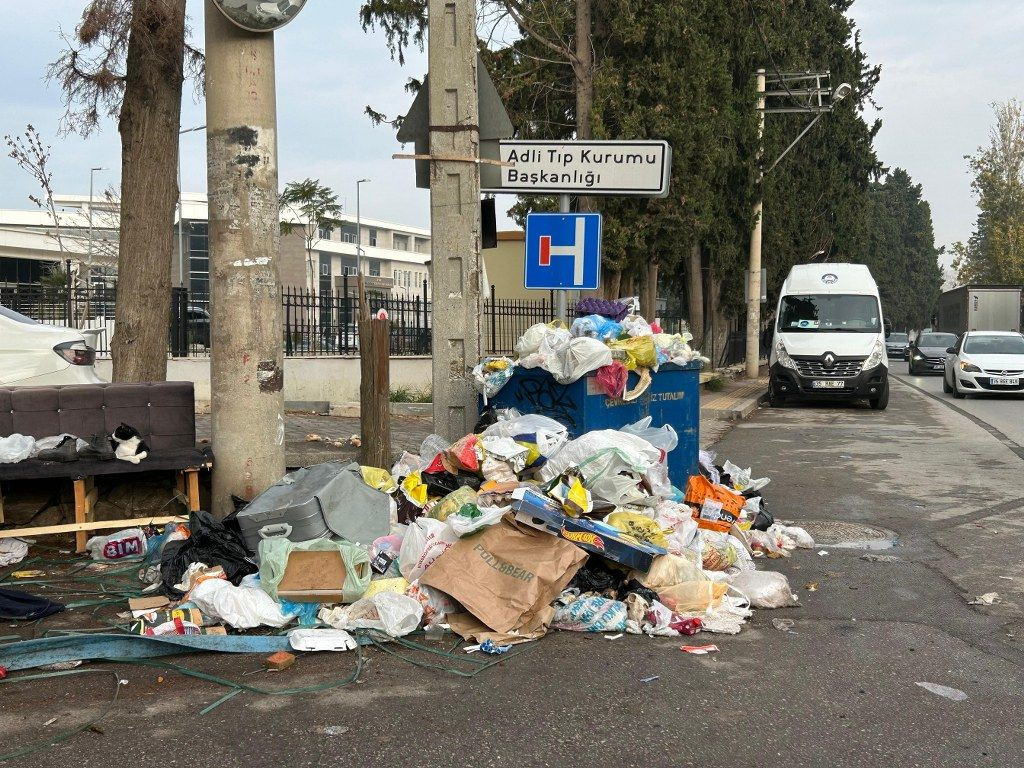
{"x": 454, "y": 212}
{"x": 247, "y": 375}
{"x": 754, "y": 269}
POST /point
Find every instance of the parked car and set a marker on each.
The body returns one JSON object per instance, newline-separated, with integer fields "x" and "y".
{"x": 928, "y": 352}
{"x": 984, "y": 363}
{"x": 33, "y": 353}
{"x": 896, "y": 346}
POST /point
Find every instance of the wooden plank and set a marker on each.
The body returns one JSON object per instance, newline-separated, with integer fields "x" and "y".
{"x": 95, "y": 525}
{"x": 81, "y": 513}
{"x": 191, "y": 478}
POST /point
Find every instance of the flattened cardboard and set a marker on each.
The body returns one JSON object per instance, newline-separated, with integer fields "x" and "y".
{"x": 313, "y": 577}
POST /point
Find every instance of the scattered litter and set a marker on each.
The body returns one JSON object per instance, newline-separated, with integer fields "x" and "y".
{"x": 279, "y": 661}
{"x": 62, "y": 666}
{"x": 871, "y": 557}
{"x": 51, "y": 721}
{"x": 355, "y": 441}
{"x": 32, "y": 574}
{"x": 699, "y": 650}
{"x": 613, "y": 637}
{"x": 989, "y": 598}
{"x": 649, "y": 679}
{"x": 811, "y": 586}
{"x": 334, "y": 730}
{"x": 12, "y": 551}
{"x": 822, "y": 552}
{"x": 488, "y": 646}
{"x": 784, "y": 625}
{"x": 953, "y": 694}
{"x": 313, "y": 438}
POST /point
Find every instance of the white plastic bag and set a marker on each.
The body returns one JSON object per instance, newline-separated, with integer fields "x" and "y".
{"x": 577, "y": 358}
{"x": 800, "y": 537}
{"x": 321, "y": 640}
{"x": 634, "y": 453}
{"x": 635, "y": 325}
{"x": 530, "y": 341}
{"x": 663, "y": 437}
{"x": 741, "y": 479}
{"x": 131, "y": 542}
{"x": 425, "y": 541}
{"x": 764, "y": 589}
{"x": 240, "y": 607}
{"x": 15, "y": 448}
{"x": 406, "y": 465}
{"x": 462, "y": 525}
{"x": 12, "y": 551}
{"x": 395, "y": 614}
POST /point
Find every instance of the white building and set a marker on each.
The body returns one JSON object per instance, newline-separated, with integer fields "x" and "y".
{"x": 395, "y": 256}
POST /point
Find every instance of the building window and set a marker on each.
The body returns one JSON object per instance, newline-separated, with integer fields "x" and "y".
{"x": 198, "y": 259}
{"x": 422, "y": 246}
{"x": 348, "y": 265}
{"x": 325, "y": 269}
{"x": 373, "y": 237}
{"x": 401, "y": 242}
{"x": 373, "y": 267}
{"x": 325, "y": 233}
{"x": 24, "y": 270}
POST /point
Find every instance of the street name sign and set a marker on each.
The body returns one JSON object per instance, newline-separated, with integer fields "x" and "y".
{"x": 563, "y": 251}
{"x": 582, "y": 167}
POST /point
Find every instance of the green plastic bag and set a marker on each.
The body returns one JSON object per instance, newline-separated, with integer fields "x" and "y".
{"x": 274, "y": 552}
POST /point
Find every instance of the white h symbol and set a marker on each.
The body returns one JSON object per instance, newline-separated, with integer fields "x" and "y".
{"x": 547, "y": 250}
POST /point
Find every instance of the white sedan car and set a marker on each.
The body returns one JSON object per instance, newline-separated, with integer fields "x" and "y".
{"x": 985, "y": 362}
{"x": 36, "y": 354}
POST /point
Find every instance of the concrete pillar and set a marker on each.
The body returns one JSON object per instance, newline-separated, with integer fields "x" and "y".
{"x": 754, "y": 269}
{"x": 454, "y": 213}
{"x": 247, "y": 374}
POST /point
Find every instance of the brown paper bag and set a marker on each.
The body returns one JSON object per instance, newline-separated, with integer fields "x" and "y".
{"x": 507, "y": 574}
{"x": 474, "y": 630}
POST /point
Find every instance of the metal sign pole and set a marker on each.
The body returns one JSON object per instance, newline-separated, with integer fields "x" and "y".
{"x": 561, "y": 310}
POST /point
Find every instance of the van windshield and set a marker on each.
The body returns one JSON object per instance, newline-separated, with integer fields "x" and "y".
{"x": 829, "y": 313}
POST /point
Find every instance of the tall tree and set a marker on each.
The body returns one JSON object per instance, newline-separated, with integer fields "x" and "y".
{"x": 995, "y": 251}
{"x": 901, "y": 252}
{"x": 316, "y": 210}
{"x": 128, "y": 57}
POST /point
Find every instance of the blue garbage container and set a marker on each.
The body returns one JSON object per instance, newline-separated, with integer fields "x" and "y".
{"x": 673, "y": 398}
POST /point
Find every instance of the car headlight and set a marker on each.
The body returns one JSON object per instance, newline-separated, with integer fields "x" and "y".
{"x": 918, "y": 356}
{"x": 783, "y": 356}
{"x": 875, "y": 358}
{"x": 969, "y": 367}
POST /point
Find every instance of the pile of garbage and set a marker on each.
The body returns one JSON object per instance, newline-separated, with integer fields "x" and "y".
{"x": 606, "y": 337}
{"x": 502, "y": 536}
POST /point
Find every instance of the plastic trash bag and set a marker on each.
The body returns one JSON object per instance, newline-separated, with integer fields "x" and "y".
{"x": 578, "y": 358}
{"x": 640, "y": 527}
{"x": 130, "y": 542}
{"x": 378, "y": 479}
{"x": 425, "y": 541}
{"x": 239, "y": 607}
{"x": 452, "y": 503}
{"x": 669, "y": 570}
{"x": 707, "y": 466}
{"x": 321, "y": 640}
{"x": 274, "y": 553}
{"x": 16, "y": 447}
{"x": 636, "y": 352}
{"x": 211, "y": 542}
{"x": 697, "y": 596}
{"x": 741, "y": 480}
{"x": 663, "y": 437}
{"x": 627, "y": 452}
{"x": 800, "y": 537}
{"x": 764, "y": 589}
{"x": 591, "y": 614}
{"x": 611, "y": 379}
{"x": 406, "y": 465}
{"x": 635, "y": 325}
{"x": 491, "y": 374}
{"x": 530, "y": 341}
{"x": 471, "y": 518}
{"x": 595, "y": 327}
{"x": 396, "y": 615}
{"x": 436, "y": 604}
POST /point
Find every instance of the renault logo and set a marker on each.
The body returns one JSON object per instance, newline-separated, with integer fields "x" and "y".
{"x": 830, "y": 360}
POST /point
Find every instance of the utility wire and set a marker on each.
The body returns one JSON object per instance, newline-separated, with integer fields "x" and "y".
{"x": 771, "y": 58}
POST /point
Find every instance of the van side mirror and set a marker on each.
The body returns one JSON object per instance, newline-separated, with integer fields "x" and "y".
{"x": 887, "y": 325}
{"x": 950, "y": 350}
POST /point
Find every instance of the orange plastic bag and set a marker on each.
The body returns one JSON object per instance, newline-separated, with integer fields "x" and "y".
{"x": 723, "y": 508}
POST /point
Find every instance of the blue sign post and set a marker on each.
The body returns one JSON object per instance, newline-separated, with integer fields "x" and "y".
{"x": 563, "y": 251}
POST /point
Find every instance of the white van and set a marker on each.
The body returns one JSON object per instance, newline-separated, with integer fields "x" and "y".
{"x": 829, "y": 340}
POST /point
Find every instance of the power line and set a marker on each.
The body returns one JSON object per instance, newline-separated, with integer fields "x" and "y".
{"x": 771, "y": 58}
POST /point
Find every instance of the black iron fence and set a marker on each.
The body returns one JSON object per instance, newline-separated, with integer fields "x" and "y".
{"x": 315, "y": 323}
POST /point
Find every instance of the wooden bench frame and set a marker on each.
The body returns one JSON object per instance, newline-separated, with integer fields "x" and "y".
{"x": 86, "y": 495}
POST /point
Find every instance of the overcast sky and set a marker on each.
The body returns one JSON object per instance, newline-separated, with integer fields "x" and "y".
{"x": 943, "y": 63}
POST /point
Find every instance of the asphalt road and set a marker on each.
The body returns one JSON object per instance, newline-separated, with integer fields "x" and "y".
{"x": 840, "y": 689}
{"x": 1003, "y": 412}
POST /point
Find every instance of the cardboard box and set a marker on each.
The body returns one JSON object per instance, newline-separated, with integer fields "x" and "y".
{"x": 591, "y": 535}
{"x": 313, "y": 577}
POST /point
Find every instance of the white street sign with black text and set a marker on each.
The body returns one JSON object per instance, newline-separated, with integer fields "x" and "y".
{"x": 585, "y": 167}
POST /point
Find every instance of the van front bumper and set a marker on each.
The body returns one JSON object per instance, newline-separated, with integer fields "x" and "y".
{"x": 868, "y": 384}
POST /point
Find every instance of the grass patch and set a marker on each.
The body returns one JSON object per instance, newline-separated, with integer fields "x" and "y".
{"x": 410, "y": 395}
{"x": 717, "y": 384}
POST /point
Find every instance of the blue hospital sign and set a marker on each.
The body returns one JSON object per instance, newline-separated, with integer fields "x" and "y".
{"x": 563, "y": 251}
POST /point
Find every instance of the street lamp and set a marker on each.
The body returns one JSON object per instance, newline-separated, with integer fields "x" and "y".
{"x": 181, "y": 212}
{"x": 359, "y": 232}
{"x": 88, "y": 258}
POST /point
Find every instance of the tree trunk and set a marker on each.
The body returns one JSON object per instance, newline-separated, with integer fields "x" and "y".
{"x": 613, "y": 285}
{"x": 148, "y": 124}
{"x": 695, "y": 294}
{"x": 627, "y": 286}
{"x": 719, "y": 331}
{"x": 649, "y": 293}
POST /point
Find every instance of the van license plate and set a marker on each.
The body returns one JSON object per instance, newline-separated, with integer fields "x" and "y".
{"x": 828, "y": 384}
{"x": 1005, "y": 381}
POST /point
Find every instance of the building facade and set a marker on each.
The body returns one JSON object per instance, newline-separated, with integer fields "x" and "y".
{"x": 395, "y": 257}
